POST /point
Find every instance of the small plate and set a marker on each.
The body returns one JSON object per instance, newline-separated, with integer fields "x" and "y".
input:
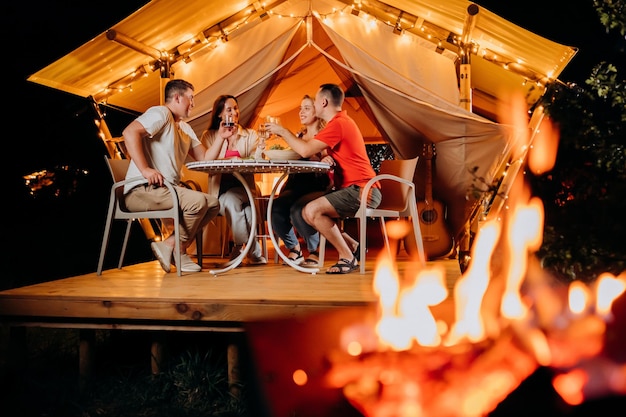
{"x": 282, "y": 154}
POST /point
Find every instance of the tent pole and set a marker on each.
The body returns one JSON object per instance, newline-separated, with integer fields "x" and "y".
{"x": 465, "y": 50}
{"x": 464, "y": 241}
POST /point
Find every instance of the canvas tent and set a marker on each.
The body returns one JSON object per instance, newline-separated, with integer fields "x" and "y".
{"x": 398, "y": 61}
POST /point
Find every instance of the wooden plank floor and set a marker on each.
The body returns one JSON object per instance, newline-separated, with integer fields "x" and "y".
{"x": 143, "y": 294}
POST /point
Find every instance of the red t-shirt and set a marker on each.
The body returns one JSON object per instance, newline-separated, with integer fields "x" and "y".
{"x": 347, "y": 148}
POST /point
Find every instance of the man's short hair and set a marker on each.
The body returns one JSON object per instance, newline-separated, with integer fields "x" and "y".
{"x": 176, "y": 87}
{"x": 334, "y": 92}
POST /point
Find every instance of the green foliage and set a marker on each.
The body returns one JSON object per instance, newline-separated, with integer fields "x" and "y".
{"x": 611, "y": 13}
{"x": 583, "y": 195}
{"x": 200, "y": 383}
{"x": 377, "y": 153}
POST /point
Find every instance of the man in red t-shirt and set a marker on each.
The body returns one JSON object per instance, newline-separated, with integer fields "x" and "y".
{"x": 345, "y": 148}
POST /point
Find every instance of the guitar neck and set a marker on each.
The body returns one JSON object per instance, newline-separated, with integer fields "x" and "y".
{"x": 428, "y": 190}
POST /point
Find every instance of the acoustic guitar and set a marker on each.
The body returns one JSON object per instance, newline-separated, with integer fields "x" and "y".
{"x": 437, "y": 239}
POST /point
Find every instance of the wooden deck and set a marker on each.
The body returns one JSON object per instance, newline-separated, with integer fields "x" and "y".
{"x": 143, "y": 296}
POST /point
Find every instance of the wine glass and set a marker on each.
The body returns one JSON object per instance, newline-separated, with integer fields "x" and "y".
{"x": 262, "y": 132}
{"x": 263, "y": 135}
{"x": 229, "y": 121}
{"x": 272, "y": 119}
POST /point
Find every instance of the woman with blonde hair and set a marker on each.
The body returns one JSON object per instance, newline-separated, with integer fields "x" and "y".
{"x": 298, "y": 190}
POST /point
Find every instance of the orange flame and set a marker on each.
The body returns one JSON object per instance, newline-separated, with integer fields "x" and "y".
{"x": 578, "y": 297}
{"x": 570, "y": 386}
{"x": 471, "y": 287}
{"x": 405, "y": 313}
{"x": 525, "y": 235}
{"x": 608, "y": 289}
{"x": 542, "y": 155}
{"x": 502, "y": 298}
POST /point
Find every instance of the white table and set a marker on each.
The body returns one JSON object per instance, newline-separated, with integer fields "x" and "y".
{"x": 241, "y": 166}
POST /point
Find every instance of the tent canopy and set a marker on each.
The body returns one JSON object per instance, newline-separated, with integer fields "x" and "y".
{"x": 399, "y": 63}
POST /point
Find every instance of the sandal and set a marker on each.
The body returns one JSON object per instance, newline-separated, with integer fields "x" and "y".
{"x": 344, "y": 266}
{"x": 312, "y": 260}
{"x": 298, "y": 259}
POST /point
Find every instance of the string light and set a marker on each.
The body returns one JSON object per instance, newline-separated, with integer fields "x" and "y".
{"x": 372, "y": 12}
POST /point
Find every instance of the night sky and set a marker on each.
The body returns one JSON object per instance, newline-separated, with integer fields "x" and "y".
{"x": 54, "y": 236}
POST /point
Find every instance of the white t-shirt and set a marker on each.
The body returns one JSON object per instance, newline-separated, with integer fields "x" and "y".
{"x": 167, "y": 147}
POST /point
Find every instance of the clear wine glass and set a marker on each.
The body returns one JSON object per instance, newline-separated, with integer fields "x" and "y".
{"x": 229, "y": 120}
{"x": 263, "y": 135}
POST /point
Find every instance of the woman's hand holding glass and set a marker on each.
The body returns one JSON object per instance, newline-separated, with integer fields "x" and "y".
{"x": 228, "y": 127}
{"x": 272, "y": 125}
{"x": 272, "y": 119}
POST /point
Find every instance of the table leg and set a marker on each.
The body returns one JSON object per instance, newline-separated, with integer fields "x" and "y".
{"x": 237, "y": 261}
{"x": 270, "y": 231}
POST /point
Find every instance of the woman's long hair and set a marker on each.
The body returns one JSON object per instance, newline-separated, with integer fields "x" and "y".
{"x": 218, "y": 107}
{"x": 320, "y": 122}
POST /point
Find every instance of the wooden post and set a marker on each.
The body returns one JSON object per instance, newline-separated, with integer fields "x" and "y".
{"x": 232, "y": 355}
{"x": 156, "y": 357}
{"x": 87, "y": 340}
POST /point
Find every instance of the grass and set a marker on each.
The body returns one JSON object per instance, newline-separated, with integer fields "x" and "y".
{"x": 193, "y": 380}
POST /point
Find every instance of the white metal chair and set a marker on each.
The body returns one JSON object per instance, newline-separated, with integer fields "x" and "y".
{"x": 117, "y": 211}
{"x": 398, "y": 201}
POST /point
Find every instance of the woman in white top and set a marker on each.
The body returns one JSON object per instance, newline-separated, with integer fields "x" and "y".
{"x": 233, "y": 142}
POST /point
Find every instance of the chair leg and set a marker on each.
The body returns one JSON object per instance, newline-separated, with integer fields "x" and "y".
{"x": 177, "y": 253}
{"x": 105, "y": 242}
{"x": 265, "y": 248}
{"x": 125, "y": 244}
{"x": 362, "y": 242}
{"x": 322, "y": 251}
{"x": 264, "y": 251}
{"x": 199, "y": 246}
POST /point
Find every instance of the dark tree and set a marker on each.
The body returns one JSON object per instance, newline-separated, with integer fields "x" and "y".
{"x": 584, "y": 195}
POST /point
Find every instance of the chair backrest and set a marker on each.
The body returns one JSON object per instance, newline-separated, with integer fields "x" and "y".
{"x": 117, "y": 168}
{"x": 395, "y": 195}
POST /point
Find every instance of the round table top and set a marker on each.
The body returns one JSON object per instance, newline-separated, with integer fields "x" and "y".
{"x": 258, "y": 166}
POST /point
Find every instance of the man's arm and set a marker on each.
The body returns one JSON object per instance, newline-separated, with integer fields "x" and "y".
{"x": 306, "y": 149}
{"x": 134, "y": 135}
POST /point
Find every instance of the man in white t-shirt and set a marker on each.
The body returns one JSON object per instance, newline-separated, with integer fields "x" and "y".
{"x": 158, "y": 143}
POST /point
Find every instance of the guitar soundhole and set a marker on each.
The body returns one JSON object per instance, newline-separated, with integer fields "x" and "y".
{"x": 429, "y": 216}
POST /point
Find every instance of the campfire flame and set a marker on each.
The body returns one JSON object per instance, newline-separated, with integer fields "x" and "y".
{"x": 508, "y": 317}
{"x": 419, "y": 364}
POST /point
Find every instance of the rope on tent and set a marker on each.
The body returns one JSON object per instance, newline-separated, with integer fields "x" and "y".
{"x": 274, "y": 71}
{"x": 393, "y": 90}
